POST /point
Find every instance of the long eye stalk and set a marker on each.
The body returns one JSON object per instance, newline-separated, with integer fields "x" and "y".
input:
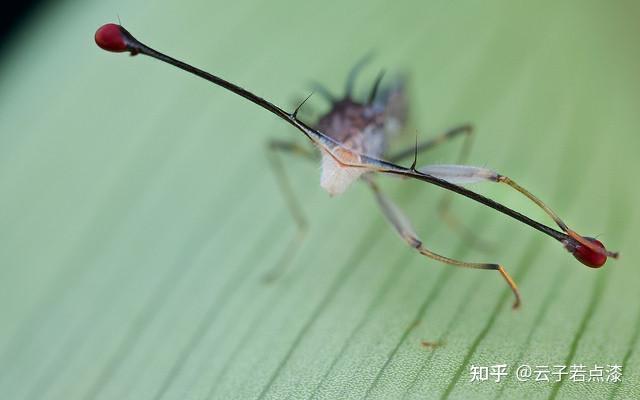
{"x": 115, "y": 38}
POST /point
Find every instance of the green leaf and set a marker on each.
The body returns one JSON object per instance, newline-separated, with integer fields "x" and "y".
{"x": 138, "y": 211}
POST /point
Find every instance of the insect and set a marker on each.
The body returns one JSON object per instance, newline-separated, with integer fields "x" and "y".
{"x": 352, "y": 141}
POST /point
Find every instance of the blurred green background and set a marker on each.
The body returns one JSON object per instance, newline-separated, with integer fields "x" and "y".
{"x": 138, "y": 212}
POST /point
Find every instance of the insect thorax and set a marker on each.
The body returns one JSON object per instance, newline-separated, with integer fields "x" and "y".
{"x": 358, "y": 127}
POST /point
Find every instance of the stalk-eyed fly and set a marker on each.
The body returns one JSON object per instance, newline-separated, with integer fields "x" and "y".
{"x": 352, "y": 139}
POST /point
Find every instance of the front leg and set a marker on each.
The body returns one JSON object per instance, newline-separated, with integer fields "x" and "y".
{"x": 274, "y": 147}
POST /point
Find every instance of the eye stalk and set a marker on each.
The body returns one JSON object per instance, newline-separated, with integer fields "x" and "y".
{"x": 593, "y": 255}
{"x": 589, "y": 251}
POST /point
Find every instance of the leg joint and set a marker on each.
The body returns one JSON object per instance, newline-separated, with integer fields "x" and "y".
{"x": 413, "y": 241}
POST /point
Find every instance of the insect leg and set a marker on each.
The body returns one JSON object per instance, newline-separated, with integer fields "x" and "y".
{"x": 463, "y": 174}
{"x": 274, "y": 148}
{"x": 444, "y": 206}
{"x": 433, "y": 142}
{"x": 403, "y": 226}
{"x": 374, "y": 88}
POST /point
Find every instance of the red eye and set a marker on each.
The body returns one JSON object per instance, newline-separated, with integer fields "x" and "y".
{"x": 588, "y": 256}
{"x": 109, "y": 37}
